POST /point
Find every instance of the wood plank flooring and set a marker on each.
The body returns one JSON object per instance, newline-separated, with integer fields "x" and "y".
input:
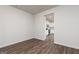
{"x": 36, "y": 46}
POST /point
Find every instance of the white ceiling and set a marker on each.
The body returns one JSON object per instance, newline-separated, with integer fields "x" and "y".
{"x": 34, "y": 9}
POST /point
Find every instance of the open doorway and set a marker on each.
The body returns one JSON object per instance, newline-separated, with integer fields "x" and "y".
{"x": 50, "y": 27}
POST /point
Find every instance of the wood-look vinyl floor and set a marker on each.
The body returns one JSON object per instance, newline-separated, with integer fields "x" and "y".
{"x": 36, "y": 46}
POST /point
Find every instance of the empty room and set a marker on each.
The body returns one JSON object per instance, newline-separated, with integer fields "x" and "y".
{"x": 39, "y": 29}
